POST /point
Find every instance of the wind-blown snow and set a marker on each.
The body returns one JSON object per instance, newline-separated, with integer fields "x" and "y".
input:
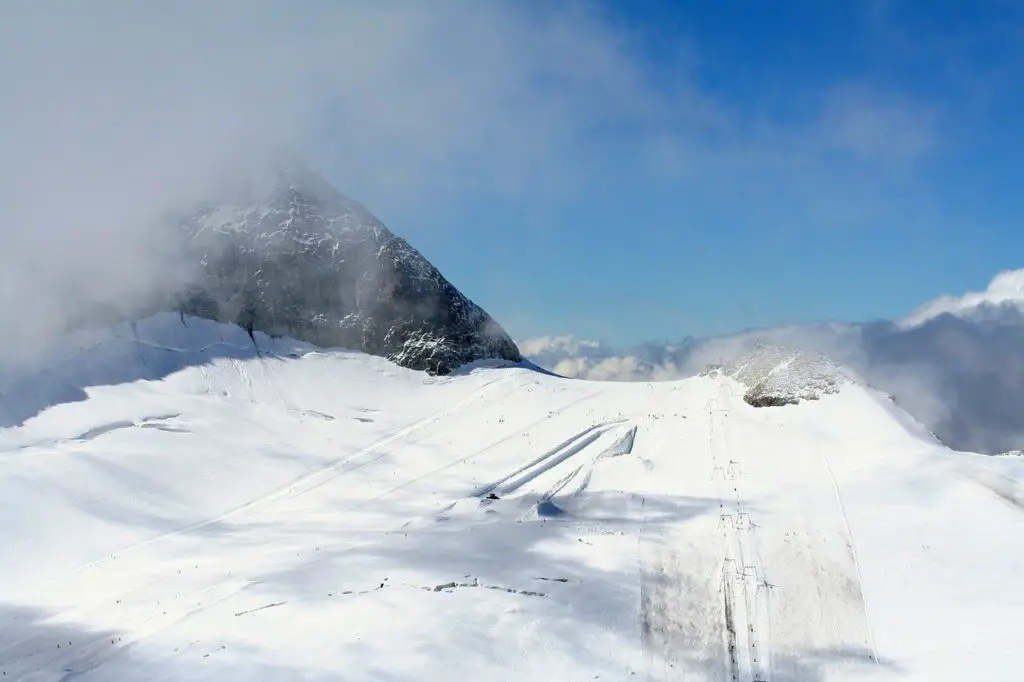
{"x": 300, "y": 514}
{"x": 1006, "y": 287}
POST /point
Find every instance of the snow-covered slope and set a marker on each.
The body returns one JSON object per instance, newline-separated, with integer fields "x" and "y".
{"x": 305, "y": 515}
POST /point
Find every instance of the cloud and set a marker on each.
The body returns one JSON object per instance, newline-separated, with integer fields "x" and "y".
{"x": 558, "y": 347}
{"x": 961, "y": 375}
{"x": 1006, "y": 288}
{"x": 114, "y": 114}
{"x": 598, "y": 361}
{"x": 117, "y": 113}
{"x": 582, "y": 358}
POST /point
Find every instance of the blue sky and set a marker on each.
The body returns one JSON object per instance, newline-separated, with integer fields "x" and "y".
{"x": 804, "y": 161}
{"x": 629, "y": 170}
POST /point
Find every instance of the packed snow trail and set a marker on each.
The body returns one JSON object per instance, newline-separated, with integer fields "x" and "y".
{"x": 330, "y": 516}
{"x": 743, "y": 575}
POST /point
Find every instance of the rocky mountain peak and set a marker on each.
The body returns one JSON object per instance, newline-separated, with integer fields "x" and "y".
{"x": 287, "y": 254}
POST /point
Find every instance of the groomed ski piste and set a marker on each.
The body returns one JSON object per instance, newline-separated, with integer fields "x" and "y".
{"x": 178, "y": 505}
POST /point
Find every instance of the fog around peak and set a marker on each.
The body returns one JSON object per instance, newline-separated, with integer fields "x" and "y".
{"x": 117, "y": 115}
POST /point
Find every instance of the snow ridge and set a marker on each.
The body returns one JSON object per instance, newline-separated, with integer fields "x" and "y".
{"x": 777, "y": 375}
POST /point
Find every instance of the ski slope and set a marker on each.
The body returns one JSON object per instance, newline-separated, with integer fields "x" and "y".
{"x": 176, "y": 506}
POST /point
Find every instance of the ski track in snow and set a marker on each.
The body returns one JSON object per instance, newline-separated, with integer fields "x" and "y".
{"x": 482, "y": 451}
{"x": 548, "y": 460}
{"x": 678, "y": 534}
{"x": 310, "y": 481}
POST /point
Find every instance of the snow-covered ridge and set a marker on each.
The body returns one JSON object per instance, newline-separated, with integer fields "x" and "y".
{"x": 152, "y": 349}
{"x": 149, "y": 349}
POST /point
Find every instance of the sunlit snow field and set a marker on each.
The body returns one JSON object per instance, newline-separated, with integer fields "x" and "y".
{"x": 176, "y": 506}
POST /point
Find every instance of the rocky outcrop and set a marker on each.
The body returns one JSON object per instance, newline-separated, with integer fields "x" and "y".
{"x": 778, "y": 376}
{"x": 291, "y": 256}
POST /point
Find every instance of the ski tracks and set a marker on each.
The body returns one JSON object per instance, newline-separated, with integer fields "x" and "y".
{"x": 744, "y": 586}
{"x": 555, "y": 456}
{"x": 308, "y": 481}
{"x": 623, "y": 445}
{"x": 91, "y": 654}
{"x": 487, "y": 448}
{"x": 853, "y": 555}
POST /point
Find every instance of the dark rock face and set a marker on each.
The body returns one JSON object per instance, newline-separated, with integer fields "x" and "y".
{"x": 754, "y": 398}
{"x": 294, "y": 257}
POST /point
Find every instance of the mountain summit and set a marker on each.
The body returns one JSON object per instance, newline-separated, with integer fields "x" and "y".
{"x": 289, "y": 255}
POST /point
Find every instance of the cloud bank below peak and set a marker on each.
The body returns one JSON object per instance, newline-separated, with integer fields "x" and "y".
{"x": 1006, "y": 288}
{"x": 958, "y": 368}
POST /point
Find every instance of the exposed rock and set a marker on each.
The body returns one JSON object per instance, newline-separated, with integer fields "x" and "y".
{"x": 292, "y": 256}
{"x": 754, "y": 398}
{"x": 778, "y": 376}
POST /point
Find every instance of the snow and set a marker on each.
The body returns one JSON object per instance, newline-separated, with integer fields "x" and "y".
{"x": 1006, "y": 287}
{"x": 779, "y": 375}
{"x": 176, "y": 506}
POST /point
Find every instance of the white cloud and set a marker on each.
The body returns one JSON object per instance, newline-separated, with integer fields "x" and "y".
{"x": 598, "y": 361}
{"x": 114, "y": 112}
{"x": 1006, "y": 287}
{"x": 962, "y": 376}
{"x": 566, "y": 345}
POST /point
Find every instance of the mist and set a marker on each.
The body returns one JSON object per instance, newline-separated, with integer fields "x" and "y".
{"x": 117, "y": 114}
{"x": 961, "y": 376}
